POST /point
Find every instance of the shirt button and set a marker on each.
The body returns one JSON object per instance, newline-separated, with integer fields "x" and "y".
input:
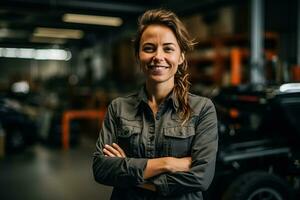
{"x": 152, "y": 138}
{"x": 151, "y": 132}
{"x": 157, "y": 117}
{"x": 125, "y": 132}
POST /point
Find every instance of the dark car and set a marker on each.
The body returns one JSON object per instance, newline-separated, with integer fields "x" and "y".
{"x": 259, "y": 146}
{"x": 19, "y": 129}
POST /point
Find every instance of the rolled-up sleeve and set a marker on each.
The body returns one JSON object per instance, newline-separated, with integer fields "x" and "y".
{"x": 115, "y": 171}
{"x": 203, "y": 152}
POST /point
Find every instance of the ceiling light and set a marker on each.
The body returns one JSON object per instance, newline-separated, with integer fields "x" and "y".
{"x": 92, "y": 19}
{"x": 25, "y": 53}
{"x": 58, "y": 33}
{"x": 52, "y": 54}
{"x": 37, "y": 54}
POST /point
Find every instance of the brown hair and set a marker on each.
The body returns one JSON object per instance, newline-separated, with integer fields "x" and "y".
{"x": 170, "y": 20}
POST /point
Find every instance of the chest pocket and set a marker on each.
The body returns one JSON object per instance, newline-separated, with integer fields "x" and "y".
{"x": 177, "y": 140}
{"x": 128, "y": 136}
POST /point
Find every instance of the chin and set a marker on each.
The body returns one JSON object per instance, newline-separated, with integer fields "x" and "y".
{"x": 157, "y": 79}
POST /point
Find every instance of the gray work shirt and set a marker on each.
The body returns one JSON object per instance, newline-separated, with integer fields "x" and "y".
{"x": 130, "y": 123}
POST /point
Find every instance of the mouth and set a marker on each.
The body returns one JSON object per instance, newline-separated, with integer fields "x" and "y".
{"x": 157, "y": 70}
{"x": 157, "y": 67}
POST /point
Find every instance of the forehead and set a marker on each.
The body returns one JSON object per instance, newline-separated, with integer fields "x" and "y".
{"x": 158, "y": 33}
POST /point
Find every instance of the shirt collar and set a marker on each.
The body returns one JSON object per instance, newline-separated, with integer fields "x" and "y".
{"x": 174, "y": 100}
{"x": 142, "y": 97}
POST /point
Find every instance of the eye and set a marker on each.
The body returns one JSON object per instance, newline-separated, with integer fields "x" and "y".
{"x": 168, "y": 49}
{"x": 148, "y": 49}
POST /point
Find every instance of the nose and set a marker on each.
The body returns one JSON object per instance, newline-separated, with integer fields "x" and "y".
{"x": 159, "y": 55}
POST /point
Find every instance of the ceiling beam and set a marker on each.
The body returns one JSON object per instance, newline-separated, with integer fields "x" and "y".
{"x": 108, "y": 6}
{"x": 181, "y": 7}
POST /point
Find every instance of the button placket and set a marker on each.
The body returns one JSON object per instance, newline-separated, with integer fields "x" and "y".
{"x": 151, "y": 140}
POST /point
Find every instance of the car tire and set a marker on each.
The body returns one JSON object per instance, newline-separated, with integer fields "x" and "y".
{"x": 258, "y": 186}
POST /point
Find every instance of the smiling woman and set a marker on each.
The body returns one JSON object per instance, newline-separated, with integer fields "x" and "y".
{"x": 159, "y": 54}
{"x": 161, "y": 142}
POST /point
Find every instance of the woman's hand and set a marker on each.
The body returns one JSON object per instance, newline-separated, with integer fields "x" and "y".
{"x": 114, "y": 151}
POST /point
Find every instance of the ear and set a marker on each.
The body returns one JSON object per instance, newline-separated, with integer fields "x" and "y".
{"x": 182, "y": 58}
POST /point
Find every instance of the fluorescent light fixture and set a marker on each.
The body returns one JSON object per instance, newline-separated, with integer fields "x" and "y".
{"x": 92, "y": 19}
{"x": 37, "y": 54}
{"x": 58, "y": 33}
{"x": 10, "y": 53}
{"x": 25, "y": 53}
{"x": 50, "y": 54}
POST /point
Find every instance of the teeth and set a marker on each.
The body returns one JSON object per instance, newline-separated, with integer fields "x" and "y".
{"x": 153, "y": 66}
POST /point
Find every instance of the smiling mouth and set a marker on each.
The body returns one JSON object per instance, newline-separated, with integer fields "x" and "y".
{"x": 157, "y": 70}
{"x": 155, "y": 67}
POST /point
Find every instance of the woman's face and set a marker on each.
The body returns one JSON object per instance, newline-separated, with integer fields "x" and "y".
{"x": 159, "y": 54}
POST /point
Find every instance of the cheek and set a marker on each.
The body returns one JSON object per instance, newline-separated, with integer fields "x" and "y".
{"x": 174, "y": 70}
{"x": 175, "y": 60}
{"x": 144, "y": 57}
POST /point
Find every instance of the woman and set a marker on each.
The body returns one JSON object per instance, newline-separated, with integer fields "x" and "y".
{"x": 161, "y": 142}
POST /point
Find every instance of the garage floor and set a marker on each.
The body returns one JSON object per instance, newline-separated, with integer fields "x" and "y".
{"x": 48, "y": 174}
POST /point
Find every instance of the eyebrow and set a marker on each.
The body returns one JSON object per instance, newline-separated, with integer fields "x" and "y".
{"x": 169, "y": 44}
{"x": 148, "y": 43}
{"x": 165, "y": 44}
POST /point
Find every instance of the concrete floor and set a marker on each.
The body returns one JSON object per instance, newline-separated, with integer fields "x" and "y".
{"x": 41, "y": 173}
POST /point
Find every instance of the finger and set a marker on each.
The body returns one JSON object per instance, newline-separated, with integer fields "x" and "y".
{"x": 113, "y": 150}
{"x": 116, "y": 146}
{"x": 108, "y": 153}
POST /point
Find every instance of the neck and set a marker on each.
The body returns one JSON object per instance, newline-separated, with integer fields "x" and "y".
{"x": 158, "y": 92}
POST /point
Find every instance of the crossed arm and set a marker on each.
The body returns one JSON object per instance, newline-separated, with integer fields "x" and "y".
{"x": 166, "y": 175}
{"x": 154, "y": 166}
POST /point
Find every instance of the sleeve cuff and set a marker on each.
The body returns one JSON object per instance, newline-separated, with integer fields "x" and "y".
{"x": 161, "y": 184}
{"x": 136, "y": 167}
